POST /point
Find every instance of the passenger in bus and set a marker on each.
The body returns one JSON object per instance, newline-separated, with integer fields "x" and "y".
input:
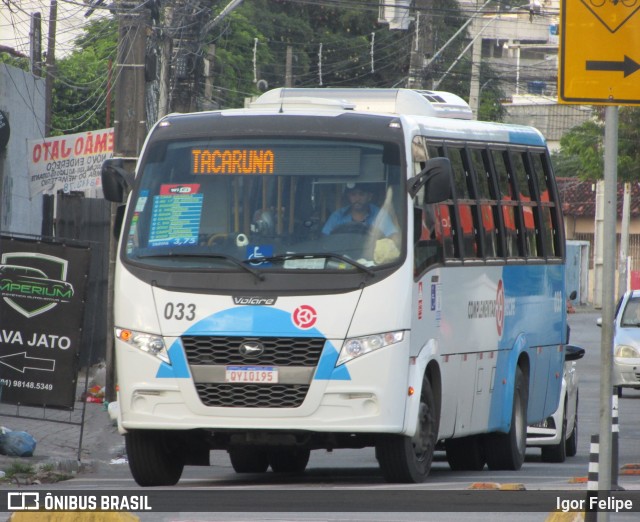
{"x": 360, "y": 214}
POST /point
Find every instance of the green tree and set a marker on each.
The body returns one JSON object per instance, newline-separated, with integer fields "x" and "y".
{"x": 331, "y": 47}
{"x": 331, "y": 43}
{"x": 581, "y": 151}
{"x": 80, "y": 86}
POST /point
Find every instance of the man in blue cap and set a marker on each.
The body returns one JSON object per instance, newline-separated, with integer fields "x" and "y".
{"x": 360, "y": 212}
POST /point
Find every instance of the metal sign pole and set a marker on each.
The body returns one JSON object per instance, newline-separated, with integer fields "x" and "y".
{"x": 608, "y": 297}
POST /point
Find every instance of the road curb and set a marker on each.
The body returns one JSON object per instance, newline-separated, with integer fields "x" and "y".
{"x": 572, "y": 516}
{"x": 74, "y": 516}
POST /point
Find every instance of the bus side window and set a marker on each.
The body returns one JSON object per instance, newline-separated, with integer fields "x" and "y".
{"x": 546, "y": 205}
{"x": 445, "y": 231}
{"x": 465, "y": 206}
{"x": 486, "y": 201}
{"x": 526, "y": 197}
{"x": 507, "y": 204}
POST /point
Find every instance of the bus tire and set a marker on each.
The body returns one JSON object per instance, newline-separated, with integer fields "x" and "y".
{"x": 466, "y": 453}
{"x": 505, "y": 451}
{"x": 408, "y": 459}
{"x": 249, "y": 460}
{"x": 156, "y": 457}
{"x": 289, "y": 460}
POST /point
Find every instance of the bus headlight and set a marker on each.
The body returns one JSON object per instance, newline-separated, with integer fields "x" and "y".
{"x": 152, "y": 344}
{"x": 626, "y": 352}
{"x": 357, "y": 346}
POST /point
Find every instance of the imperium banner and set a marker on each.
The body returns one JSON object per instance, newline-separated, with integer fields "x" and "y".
{"x": 42, "y": 302}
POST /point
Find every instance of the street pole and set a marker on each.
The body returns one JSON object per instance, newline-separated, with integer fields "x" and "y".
{"x": 129, "y": 133}
{"x": 35, "y": 44}
{"x": 608, "y": 301}
{"x": 288, "y": 68}
{"x": 474, "y": 87}
{"x": 51, "y": 67}
{"x": 623, "y": 276}
{"x": 421, "y": 45}
{"x": 598, "y": 246}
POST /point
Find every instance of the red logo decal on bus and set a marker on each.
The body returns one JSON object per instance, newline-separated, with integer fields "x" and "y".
{"x": 304, "y": 317}
{"x": 500, "y": 307}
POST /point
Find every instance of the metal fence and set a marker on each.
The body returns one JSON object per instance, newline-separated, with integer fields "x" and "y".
{"x": 633, "y": 252}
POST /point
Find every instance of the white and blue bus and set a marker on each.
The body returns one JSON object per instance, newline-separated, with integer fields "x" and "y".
{"x": 336, "y": 268}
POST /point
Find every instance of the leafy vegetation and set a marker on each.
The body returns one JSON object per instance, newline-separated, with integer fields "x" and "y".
{"x": 331, "y": 45}
{"x": 24, "y": 473}
{"x": 80, "y": 88}
{"x": 581, "y": 151}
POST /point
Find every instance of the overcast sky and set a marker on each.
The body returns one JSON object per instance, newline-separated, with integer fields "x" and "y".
{"x": 15, "y": 23}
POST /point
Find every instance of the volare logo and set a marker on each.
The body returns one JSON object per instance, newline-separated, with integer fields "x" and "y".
{"x": 33, "y": 283}
{"x": 254, "y": 301}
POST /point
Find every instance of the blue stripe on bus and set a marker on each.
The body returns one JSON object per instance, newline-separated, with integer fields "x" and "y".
{"x": 530, "y": 286}
{"x": 526, "y": 137}
{"x": 258, "y": 321}
{"x": 179, "y": 368}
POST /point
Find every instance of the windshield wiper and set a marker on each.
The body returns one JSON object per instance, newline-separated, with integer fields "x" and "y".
{"x": 311, "y": 255}
{"x": 224, "y": 257}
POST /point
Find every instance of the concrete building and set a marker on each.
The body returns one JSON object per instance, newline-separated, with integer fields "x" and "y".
{"x": 22, "y": 102}
{"x": 521, "y": 46}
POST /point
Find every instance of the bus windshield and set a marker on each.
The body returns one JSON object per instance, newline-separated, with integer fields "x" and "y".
{"x": 275, "y": 204}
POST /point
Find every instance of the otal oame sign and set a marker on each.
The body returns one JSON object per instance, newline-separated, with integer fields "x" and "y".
{"x": 68, "y": 163}
{"x": 599, "y": 52}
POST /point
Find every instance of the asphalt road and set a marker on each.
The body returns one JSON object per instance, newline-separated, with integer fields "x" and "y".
{"x": 347, "y": 485}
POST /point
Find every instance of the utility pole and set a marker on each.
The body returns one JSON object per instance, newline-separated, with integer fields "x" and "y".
{"x": 51, "y": 67}
{"x": 130, "y": 120}
{"x": 598, "y": 246}
{"x": 421, "y": 45}
{"x": 129, "y": 131}
{"x": 164, "y": 101}
{"x": 288, "y": 70}
{"x": 474, "y": 87}
{"x": 624, "y": 241}
{"x": 35, "y": 44}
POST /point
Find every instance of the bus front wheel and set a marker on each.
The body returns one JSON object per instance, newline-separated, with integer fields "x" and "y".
{"x": 505, "y": 451}
{"x": 408, "y": 459}
{"x": 156, "y": 457}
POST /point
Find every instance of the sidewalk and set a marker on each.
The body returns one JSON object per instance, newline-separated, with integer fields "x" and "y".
{"x": 63, "y": 441}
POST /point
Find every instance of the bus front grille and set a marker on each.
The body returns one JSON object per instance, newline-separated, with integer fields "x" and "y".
{"x": 252, "y": 395}
{"x": 276, "y": 351}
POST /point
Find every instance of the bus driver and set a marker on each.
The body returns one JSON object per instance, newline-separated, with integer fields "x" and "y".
{"x": 360, "y": 212}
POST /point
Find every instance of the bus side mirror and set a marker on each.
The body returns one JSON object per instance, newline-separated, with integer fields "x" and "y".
{"x": 116, "y": 180}
{"x": 573, "y": 353}
{"x": 436, "y": 180}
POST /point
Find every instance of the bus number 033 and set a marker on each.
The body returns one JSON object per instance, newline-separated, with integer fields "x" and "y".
{"x": 180, "y": 311}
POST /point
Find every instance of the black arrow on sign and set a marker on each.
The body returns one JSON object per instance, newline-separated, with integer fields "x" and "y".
{"x": 627, "y": 66}
{"x": 21, "y": 361}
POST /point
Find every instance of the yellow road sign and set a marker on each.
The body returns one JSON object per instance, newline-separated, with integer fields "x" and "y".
{"x": 599, "y": 52}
